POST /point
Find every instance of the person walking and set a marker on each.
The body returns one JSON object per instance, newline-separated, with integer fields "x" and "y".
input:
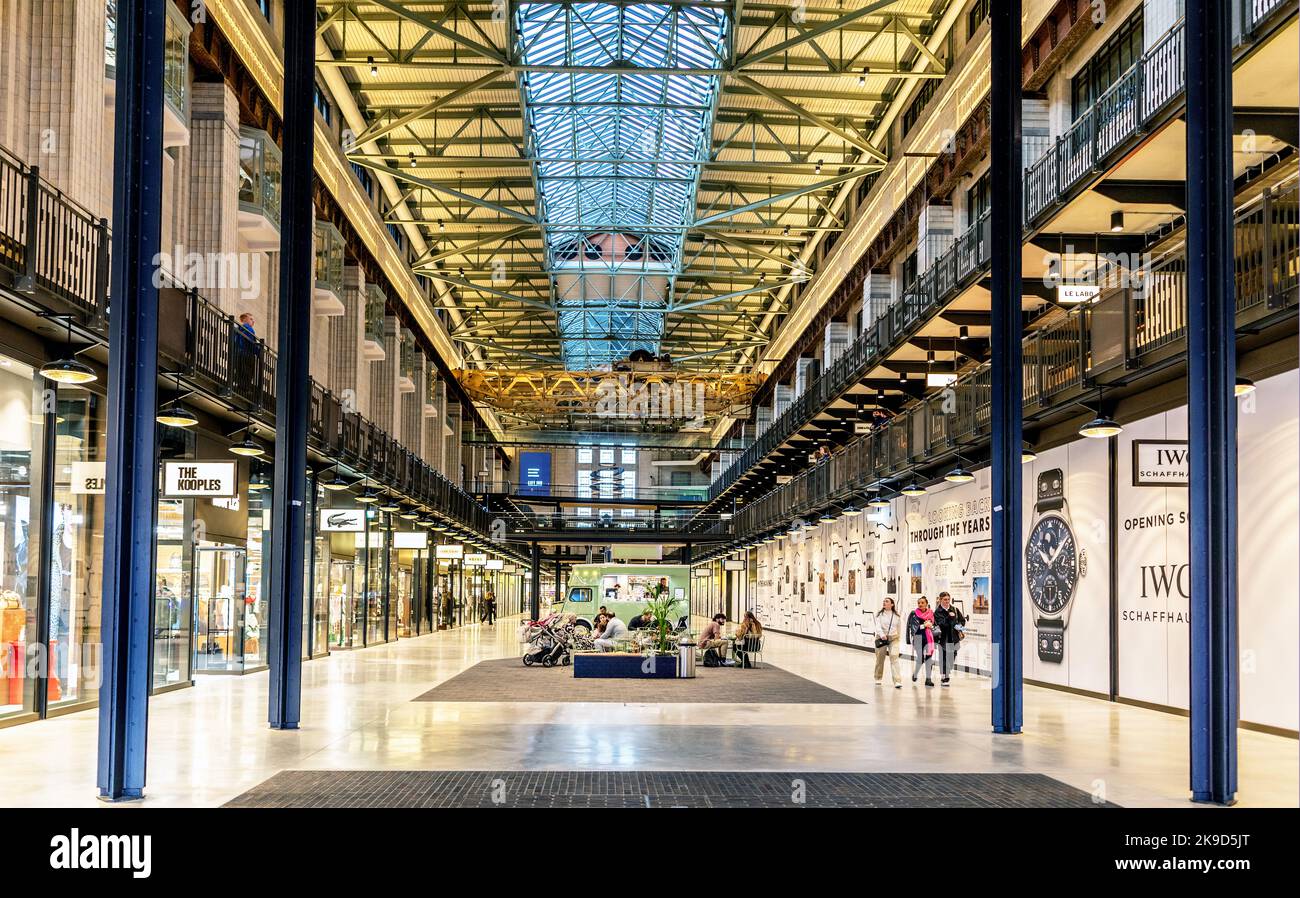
{"x": 920, "y": 633}
{"x": 889, "y": 638}
{"x": 490, "y": 606}
{"x": 950, "y": 627}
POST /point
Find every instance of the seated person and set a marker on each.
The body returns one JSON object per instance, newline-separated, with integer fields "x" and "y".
{"x": 611, "y": 628}
{"x": 711, "y": 639}
{"x": 748, "y": 636}
{"x": 643, "y": 621}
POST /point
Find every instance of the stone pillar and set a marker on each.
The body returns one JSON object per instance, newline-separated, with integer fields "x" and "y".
{"x": 214, "y": 188}
{"x": 835, "y": 341}
{"x": 411, "y": 432}
{"x": 877, "y": 293}
{"x": 934, "y": 231}
{"x": 434, "y": 427}
{"x": 383, "y": 379}
{"x": 52, "y": 100}
{"x": 349, "y": 373}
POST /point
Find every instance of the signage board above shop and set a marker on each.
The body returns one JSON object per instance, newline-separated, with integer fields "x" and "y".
{"x": 1160, "y": 463}
{"x": 495, "y": 564}
{"x": 475, "y": 559}
{"x": 733, "y": 564}
{"x": 410, "y": 539}
{"x": 88, "y": 478}
{"x": 449, "y": 552}
{"x": 342, "y": 520}
{"x": 1073, "y": 294}
{"x": 185, "y": 479}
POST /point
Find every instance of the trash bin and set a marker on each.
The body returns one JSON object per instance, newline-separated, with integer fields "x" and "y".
{"x": 686, "y": 659}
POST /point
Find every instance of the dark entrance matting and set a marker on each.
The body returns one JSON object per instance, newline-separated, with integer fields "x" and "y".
{"x": 565, "y": 789}
{"x": 507, "y": 680}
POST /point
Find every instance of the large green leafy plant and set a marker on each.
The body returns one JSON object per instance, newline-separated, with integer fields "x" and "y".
{"x": 661, "y": 608}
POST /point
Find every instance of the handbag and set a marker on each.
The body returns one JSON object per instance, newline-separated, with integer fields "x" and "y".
{"x": 882, "y": 642}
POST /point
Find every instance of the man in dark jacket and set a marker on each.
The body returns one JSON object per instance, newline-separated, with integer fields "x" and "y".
{"x": 950, "y": 625}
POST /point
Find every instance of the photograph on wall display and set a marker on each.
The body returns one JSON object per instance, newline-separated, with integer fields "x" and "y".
{"x": 979, "y": 590}
{"x": 821, "y": 584}
{"x": 835, "y": 571}
{"x": 869, "y": 565}
{"x": 918, "y": 585}
{"x": 853, "y": 581}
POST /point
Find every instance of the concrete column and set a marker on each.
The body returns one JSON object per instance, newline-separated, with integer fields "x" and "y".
{"x": 934, "y": 235}
{"x": 52, "y": 100}
{"x": 412, "y": 423}
{"x": 383, "y": 379}
{"x": 349, "y": 373}
{"x": 214, "y": 184}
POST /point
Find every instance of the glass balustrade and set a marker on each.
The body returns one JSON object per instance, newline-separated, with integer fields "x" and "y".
{"x": 260, "y": 170}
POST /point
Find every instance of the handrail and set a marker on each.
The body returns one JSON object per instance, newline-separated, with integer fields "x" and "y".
{"x": 1142, "y": 94}
{"x": 57, "y": 246}
{"x": 1060, "y": 361}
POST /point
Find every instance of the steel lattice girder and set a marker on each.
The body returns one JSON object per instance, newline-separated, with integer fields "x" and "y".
{"x": 492, "y": 116}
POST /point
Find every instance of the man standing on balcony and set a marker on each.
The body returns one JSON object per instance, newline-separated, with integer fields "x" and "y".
{"x": 246, "y": 352}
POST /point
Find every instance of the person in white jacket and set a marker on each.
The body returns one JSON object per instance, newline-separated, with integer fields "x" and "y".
{"x": 614, "y": 628}
{"x": 888, "y": 640}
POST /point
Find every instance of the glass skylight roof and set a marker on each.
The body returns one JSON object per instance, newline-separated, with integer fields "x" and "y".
{"x": 618, "y": 152}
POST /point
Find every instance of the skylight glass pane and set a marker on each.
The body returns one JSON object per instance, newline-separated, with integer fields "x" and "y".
{"x": 617, "y": 152}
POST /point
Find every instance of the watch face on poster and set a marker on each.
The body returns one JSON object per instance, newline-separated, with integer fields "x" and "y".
{"x": 1051, "y": 564}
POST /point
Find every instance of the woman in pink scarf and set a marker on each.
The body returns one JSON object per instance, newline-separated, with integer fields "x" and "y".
{"x": 920, "y": 633}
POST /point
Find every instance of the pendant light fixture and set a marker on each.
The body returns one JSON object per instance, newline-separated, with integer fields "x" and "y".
{"x": 878, "y": 500}
{"x": 1102, "y": 426}
{"x": 827, "y": 517}
{"x": 257, "y": 479}
{"x": 913, "y": 489}
{"x": 959, "y": 474}
{"x": 1027, "y": 454}
{"x": 69, "y": 370}
{"x": 248, "y": 447}
{"x": 369, "y": 495}
{"x": 337, "y": 482}
{"x": 174, "y": 414}
{"x": 390, "y": 504}
{"x": 1244, "y": 387}
{"x": 851, "y": 511}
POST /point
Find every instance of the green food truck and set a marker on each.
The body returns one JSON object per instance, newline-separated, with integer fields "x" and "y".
{"x": 624, "y": 588}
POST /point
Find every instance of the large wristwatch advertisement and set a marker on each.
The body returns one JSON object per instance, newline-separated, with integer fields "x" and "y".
{"x": 1053, "y": 565}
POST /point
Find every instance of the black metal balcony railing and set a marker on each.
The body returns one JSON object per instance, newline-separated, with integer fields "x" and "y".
{"x": 952, "y": 272}
{"x": 52, "y": 246}
{"x": 1149, "y": 89}
{"x": 1128, "y": 326}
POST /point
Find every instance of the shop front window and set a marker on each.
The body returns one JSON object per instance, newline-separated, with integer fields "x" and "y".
{"x": 77, "y": 548}
{"x": 21, "y": 432}
{"x": 173, "y": 619}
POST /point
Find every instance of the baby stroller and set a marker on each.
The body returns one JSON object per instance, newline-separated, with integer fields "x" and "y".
{"x": 546, "y": 642}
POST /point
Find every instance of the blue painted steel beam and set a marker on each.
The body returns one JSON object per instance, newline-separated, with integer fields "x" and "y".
{"x": 132, "y": 472}
{"x": 292, "y": 373}
{"x": 1211, "y": 403}
{"x": 1007, "y": 372}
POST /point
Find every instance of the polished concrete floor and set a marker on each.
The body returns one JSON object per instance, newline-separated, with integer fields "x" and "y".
{"x": 211, "y": 743}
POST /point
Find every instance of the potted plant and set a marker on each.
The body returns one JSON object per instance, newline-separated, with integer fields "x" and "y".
{"x": 661, "y": 608}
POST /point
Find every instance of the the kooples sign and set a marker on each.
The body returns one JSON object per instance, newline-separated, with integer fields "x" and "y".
{"x": 182, "y": 479}
{"x": 1160, "y": 463}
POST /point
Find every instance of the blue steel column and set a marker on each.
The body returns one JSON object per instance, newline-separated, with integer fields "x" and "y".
{"x": 292, "y": 373}
{"x": 1007, "y": 373}
{"x": 1211, "y": 403}
{"x": 132, "y": 399}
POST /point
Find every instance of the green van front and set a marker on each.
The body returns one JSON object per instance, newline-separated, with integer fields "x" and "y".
{"x": 624, "y": 589}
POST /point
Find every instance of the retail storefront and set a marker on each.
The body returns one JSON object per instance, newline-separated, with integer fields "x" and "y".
{"x": 1106, "y": 561}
